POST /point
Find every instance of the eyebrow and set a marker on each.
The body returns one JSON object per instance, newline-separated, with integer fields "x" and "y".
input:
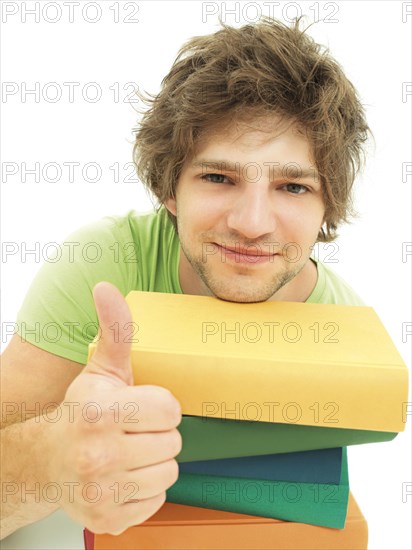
{"x": 276, "y": 171}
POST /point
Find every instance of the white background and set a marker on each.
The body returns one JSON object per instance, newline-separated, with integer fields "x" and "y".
{"x": 371, "y": 42}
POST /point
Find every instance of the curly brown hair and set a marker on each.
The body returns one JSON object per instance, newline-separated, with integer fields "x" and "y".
{"x": 266, "y": 68}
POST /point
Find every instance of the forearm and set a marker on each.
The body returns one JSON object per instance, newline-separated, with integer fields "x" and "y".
{"x": 25, "y": 454}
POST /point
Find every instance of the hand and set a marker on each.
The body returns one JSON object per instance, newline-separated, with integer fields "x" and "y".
{"x": 112, "y": 451}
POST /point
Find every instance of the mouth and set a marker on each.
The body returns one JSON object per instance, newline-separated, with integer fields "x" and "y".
{"x": 244, "y": 255}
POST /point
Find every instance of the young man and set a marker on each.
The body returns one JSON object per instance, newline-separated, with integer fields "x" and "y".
{"x": 251, "y": 149}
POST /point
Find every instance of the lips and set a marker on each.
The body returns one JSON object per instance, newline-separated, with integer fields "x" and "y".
{"x": 245, "y": 251}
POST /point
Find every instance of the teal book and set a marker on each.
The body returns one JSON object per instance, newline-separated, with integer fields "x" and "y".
{"x": 319, "y": 504}
{"x": 320, "y": 466}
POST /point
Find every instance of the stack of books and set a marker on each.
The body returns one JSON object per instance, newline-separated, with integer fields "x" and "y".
{"x": 272, "y": 393}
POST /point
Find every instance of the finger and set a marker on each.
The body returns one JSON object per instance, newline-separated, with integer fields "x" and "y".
{"x": 146, "y": 449}
{"x": 147, "y": 409}
{"x": 147, "y": 482}
{"x": 126, "y": 515}
{"x": 112, "y": 355}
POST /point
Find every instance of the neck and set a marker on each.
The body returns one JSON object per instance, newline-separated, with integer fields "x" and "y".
{"x": 300, "y": 287}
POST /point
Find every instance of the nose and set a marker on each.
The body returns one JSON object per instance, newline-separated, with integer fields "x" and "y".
{"x": 252, "y": 214}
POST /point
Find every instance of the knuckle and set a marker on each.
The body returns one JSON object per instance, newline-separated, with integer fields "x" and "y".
{"x": 93, "y": 417}
{"x": 112, "y": 526}
{"x": 172, "y": 409}
{"x": 104, "y": 524}
{"x": 92, "y": 460}
{"x": 105, "y": 418}
{"x": 105, "y": 498}
{"x": 117, "y": 532}
{"x": 83, "y": 425}
{"x": 175, "y": 443}
{"x": 156, "y": 503}
{"x": 172, "y": 472}
{"x": 97, "y": 519}
{"x": 165, "y": 402}
{"x": 87, "y": 425}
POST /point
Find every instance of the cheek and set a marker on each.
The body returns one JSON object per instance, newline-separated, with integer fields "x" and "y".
{"x": 194, "y": 222}
{"x": 302, "y": 221}
{"x": 202, "y": 215}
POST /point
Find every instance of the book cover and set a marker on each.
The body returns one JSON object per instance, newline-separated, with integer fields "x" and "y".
{"x": 213, "y": 438}
{"x": 287, "y": 362}
{"x": 180, "y": 527}
{"x": 315, "y": 503}
{"x": 321, "y": 466}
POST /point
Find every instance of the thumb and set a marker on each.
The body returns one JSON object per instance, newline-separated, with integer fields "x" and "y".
{"x": 112, "y": 354}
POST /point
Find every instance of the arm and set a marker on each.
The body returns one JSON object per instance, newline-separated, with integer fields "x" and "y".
{"x": 30, "y": 379}
{"x": 70, "y": 450}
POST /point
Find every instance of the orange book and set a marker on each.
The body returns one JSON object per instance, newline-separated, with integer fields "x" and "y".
{"x": 181, "y": 527}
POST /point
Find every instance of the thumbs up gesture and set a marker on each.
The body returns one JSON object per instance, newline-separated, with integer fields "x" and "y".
{"x": 113, "y": 450}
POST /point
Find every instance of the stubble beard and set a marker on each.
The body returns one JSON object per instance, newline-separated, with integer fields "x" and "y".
{"x": 232, "y": 290}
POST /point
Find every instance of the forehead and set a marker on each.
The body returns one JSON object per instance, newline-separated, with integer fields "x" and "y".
{"x": 255, "y": 131}
{"x": 269, "y": 139}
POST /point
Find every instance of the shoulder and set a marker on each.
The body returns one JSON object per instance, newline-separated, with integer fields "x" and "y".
{"x": 117, "y": 239}
{"x": 140, "y": 250}
{"x": 144, "y": 226}
{"x": 60, "y": 296}
{"x": 331, "y": 288}
{"x": 119, "y": 225}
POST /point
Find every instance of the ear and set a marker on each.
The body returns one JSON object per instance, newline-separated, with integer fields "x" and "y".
{"x": 170, "y": 204}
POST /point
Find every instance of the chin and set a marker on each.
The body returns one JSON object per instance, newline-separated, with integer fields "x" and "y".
{"x": 240, "y": 297}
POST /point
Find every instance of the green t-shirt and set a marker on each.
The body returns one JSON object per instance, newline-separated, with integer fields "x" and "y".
{"x": 133, "y": 252}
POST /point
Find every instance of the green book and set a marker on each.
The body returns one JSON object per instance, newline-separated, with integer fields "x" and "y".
{"x": 313, "y": 503}
{"x": 213, "y": 438}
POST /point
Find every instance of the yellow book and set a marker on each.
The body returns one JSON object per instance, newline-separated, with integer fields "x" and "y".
{"x": 289, "y": 362}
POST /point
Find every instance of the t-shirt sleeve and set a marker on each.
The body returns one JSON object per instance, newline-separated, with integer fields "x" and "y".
{"x": 58, "y": 312}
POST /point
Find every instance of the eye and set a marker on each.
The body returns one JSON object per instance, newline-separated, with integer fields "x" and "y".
{"x": 215, "y": 178}
{"x": 296, "y": 188}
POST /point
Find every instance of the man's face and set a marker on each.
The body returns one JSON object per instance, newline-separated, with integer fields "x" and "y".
{"x": 247, "y": 191}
